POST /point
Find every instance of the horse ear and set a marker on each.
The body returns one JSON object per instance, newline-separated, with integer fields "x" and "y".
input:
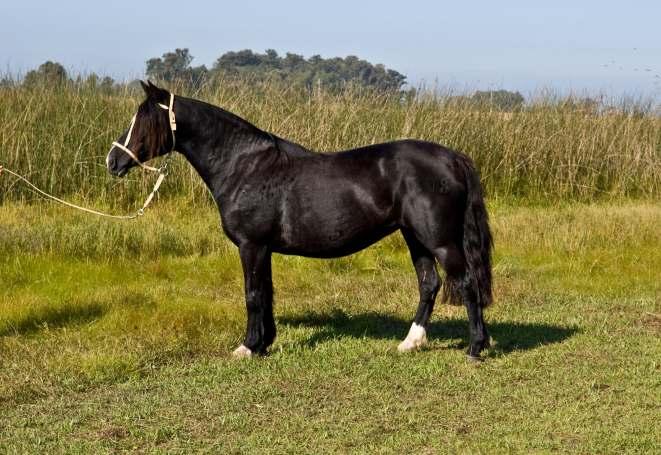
{"x": 145, "y": 87}
{"x": 155, "y": 93}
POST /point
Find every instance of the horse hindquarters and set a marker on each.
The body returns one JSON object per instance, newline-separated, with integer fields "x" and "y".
{"x": 455, "y": 230}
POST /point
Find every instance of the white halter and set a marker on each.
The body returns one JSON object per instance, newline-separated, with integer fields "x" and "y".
{"x": 173, "y": 127}
{"x": 162, "y": 171}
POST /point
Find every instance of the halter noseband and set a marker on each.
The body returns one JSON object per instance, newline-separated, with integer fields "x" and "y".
{"x": 173, "y": 127}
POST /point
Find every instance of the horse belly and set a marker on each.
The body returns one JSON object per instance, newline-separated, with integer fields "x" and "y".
{"x": 335, "y": 223}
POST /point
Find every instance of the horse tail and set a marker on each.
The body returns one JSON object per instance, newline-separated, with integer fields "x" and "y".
{"x": 477, "y": 241}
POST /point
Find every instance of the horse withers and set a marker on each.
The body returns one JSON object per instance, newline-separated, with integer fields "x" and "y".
{"x": 275, "y": 196}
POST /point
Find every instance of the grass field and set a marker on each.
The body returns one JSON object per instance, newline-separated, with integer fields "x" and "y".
{"x": 117, "y": 337}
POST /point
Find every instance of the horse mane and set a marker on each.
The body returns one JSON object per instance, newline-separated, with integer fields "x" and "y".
{"x": 153, "y": 126}
{"x": 237, "y": 122}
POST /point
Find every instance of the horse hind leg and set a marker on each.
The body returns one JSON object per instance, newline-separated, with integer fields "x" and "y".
{"x": 461, "y": 289}
{"x": 428, "y": 284}
{"x": 479, "y": 337}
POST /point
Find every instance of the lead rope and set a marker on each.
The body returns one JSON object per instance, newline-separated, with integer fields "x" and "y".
{"x": 162, "y": 171}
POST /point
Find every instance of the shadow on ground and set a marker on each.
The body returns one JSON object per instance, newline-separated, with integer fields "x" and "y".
{"x": 52, "y": 317}
{"x": 509, "y": 336}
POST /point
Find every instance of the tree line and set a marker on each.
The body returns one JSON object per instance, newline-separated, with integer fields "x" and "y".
{"x": 330, "y": 74}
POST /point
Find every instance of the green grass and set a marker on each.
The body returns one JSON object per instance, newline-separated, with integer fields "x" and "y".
{"x": 116, "y": 336}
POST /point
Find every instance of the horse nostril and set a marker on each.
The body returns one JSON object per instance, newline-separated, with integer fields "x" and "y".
{"x": 112, "y": 163}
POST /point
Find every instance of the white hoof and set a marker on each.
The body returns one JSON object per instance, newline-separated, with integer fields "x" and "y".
{"x": 241, "y": 352}
{"x": 416, "y": 338}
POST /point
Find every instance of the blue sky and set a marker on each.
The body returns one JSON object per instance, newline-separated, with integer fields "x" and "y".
{"x": 597, "y": 46}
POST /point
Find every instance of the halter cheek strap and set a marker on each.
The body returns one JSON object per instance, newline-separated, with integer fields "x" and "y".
{"x": 173, "y": 127}
{"x": 171, "y": 117}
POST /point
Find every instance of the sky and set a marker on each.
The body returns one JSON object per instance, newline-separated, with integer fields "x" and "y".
{"x": 584, "y": 46}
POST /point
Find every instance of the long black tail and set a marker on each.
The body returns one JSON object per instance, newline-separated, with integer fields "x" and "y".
{"x": 477, "y": 241}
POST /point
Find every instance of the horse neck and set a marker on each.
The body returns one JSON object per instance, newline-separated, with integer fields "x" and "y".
{"x": 213, "y": 140}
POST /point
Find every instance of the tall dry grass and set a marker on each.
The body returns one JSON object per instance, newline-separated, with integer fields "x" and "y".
{"x": 550, "y": 149}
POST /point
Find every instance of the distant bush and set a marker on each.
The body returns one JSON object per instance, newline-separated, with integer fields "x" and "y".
{"x": 500, "y": 99}
{"x": 48, "y": 74}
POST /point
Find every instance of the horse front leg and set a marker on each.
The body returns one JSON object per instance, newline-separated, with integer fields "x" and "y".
{"x": 260, "y": 330}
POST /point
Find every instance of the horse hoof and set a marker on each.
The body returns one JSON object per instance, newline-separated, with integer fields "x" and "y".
{"x": 414, "y": 340}
{"x": 241, "y": 352}
{"x": 411, "y": 345}
{"x": 406, "y": 346}
{"x": 474, "y": 358}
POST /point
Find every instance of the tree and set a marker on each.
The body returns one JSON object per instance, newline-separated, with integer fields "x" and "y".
{"x": 175, "y": 66}
{"x": 49, "y": 73}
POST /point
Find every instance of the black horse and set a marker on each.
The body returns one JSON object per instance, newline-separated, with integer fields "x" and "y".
{"x": 275, "y": 196}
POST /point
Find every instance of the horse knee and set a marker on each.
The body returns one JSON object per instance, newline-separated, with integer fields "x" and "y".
{"x": 256, "y": 299}
{"x": 253, "y": 304}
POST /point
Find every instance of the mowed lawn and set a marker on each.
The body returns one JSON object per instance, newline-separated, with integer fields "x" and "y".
{"x": 117, "y": 336}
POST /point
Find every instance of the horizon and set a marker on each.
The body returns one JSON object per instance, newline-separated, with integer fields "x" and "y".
{"x": 595, "y": 48}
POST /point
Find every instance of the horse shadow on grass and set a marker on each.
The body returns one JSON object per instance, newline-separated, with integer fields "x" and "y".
{"x": 508, "y": 336}
{"x": 52, "y": 317}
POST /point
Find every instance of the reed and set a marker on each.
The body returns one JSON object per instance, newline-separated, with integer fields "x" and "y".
{"x": 551, "y": 149}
